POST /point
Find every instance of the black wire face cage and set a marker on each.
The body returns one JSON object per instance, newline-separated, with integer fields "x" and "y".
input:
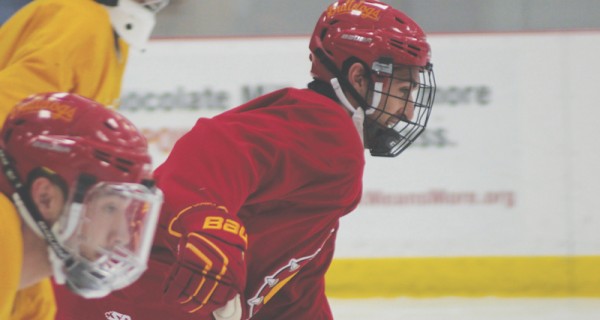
{"x": 399, "y": 109}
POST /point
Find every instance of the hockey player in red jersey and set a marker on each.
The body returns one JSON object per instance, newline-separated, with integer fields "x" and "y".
{"x": 254, "y": 195}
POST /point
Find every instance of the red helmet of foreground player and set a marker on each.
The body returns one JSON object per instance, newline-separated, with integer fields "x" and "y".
{"x": 101, "y": 162}
{"x": 384, "y": 40}
{"x": 70, "y": 134}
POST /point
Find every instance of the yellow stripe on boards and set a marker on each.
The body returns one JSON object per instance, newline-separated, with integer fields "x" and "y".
{"x": 465, "y": 276}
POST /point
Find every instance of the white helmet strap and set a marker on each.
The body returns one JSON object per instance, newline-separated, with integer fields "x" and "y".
{"x": 358, "y": 114}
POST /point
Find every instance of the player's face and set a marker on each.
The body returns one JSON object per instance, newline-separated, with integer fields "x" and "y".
{"x": 106, "y": 225}
{"x": 397, "y": 101}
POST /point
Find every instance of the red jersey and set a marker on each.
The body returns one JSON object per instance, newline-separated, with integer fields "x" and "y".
{"x": 290, "y": 164}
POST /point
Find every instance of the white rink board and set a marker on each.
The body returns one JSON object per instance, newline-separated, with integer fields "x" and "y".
{"x": 509, "y": 165}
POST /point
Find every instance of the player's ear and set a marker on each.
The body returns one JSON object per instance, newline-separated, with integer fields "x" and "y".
{"x": 47, "y": 197}
{"x": 357, "y": 77}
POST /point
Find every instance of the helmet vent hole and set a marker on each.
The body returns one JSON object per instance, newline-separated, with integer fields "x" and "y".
{"x": 400, "y": 20}
{"x": 119, "y": 163}
{"x": 414, "y": 47}
{"x": 410, "y": 49}
{"x": 414, "y": 51}
{"x": 102, "y": 156}
{"x": 323, "y": 33}
{"x": 123, "y": 164}
{"x": 398, "y": 44}
{"x": 124, "y": 169}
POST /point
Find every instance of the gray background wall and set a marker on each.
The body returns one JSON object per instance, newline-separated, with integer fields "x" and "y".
{"x": 285, "y": 17}
{"x": 191, "y": 18}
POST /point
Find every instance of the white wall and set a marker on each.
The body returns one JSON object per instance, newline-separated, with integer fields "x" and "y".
{"x": 508, "y": 166}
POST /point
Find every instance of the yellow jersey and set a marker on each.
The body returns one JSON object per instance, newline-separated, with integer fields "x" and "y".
{"x": 11, "y": 256}
{"x": 60, "y": 45}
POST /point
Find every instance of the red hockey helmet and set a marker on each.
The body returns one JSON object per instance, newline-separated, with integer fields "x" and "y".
{"x": 393, "y": 49}
{"x": 367, "y": 30}
{"x": 70, "y": 135}
{"x": 101, "y": 240}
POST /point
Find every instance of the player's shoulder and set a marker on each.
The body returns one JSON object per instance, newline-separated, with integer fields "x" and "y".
{"x": 304, "y": 103}
{"x": 290, "y": 109}
{"x": 6, "y": 205}
{"x": 309, "y": 101}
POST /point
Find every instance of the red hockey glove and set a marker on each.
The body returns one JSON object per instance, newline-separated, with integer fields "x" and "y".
{"x": 210, "y": 268}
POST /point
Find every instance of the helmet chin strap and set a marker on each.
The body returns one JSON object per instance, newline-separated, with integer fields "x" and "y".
{"x": 57, "y": 254}
{"x": 377, "y": 89}
{"x": 58, "y": 270}
{"x": 26, "y": 215}
{"x": 358, "y": 114}
{"x": 30, "y": 213}
{"x": 57, "y": 263}
{"x": 337, "y": 88}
